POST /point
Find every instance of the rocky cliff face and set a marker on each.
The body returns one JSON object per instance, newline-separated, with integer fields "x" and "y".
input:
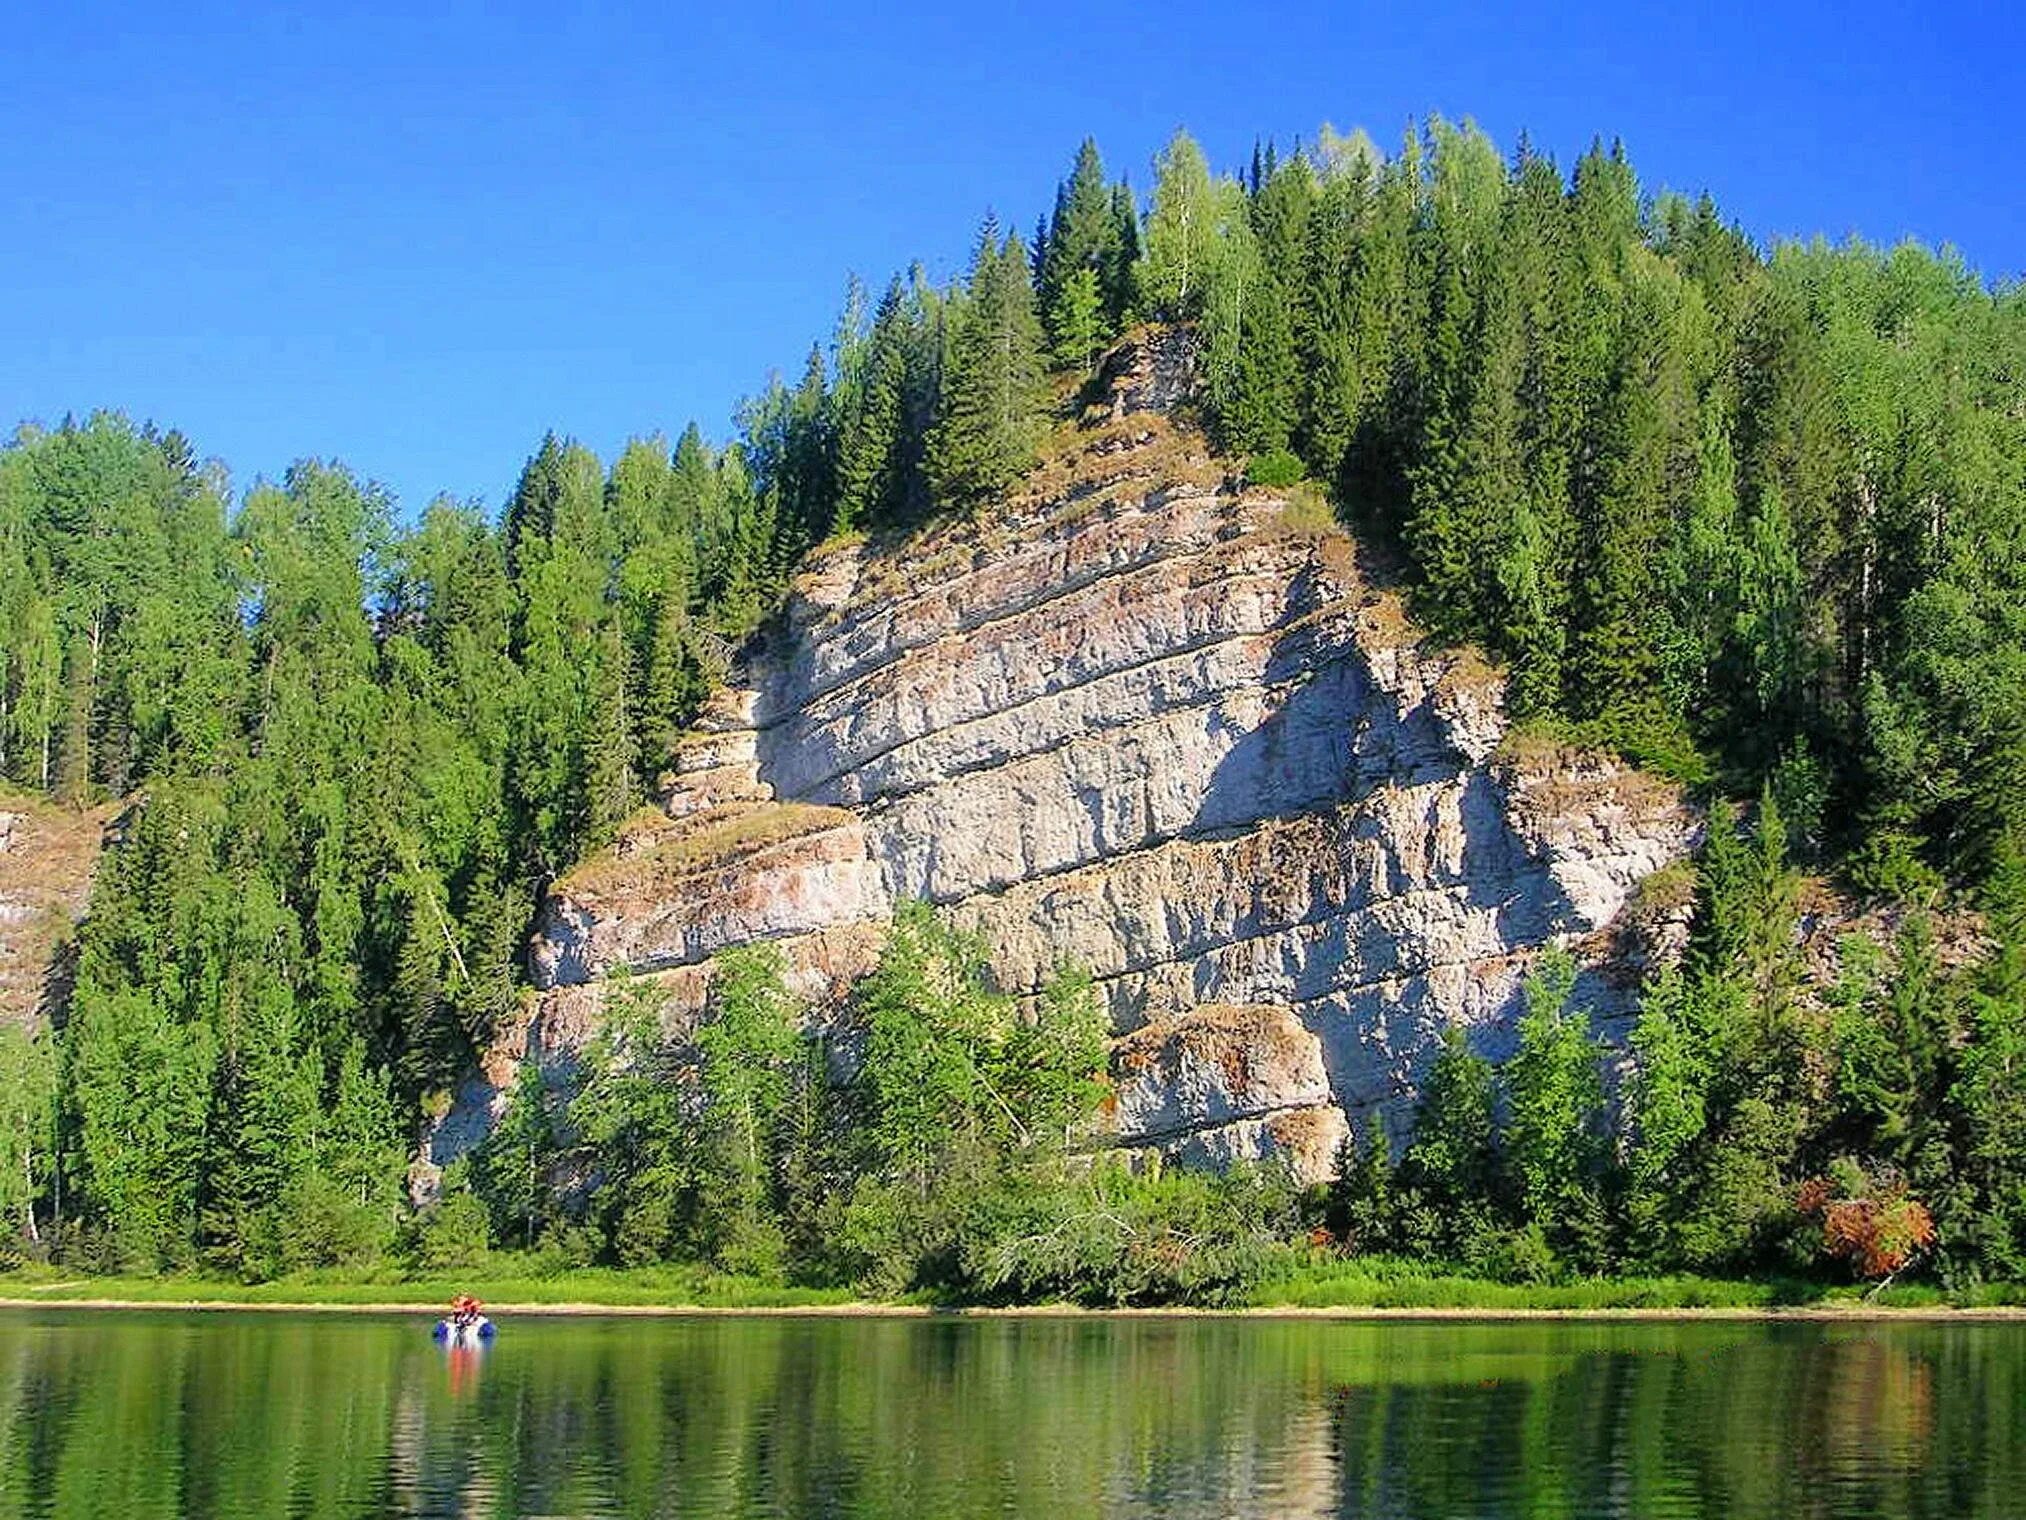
{"x": 47, "y": 857}
{"x": 1144, "y": 719}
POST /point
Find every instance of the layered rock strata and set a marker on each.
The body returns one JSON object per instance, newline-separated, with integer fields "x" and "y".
{"x": 1143, "y": 719}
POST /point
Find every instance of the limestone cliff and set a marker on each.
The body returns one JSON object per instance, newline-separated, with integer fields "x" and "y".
{"x": 47, "y": 857}
{"x": 1142, "y": 718}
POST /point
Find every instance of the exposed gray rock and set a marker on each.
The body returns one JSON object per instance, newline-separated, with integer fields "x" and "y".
{"x": 1131, "y": 720}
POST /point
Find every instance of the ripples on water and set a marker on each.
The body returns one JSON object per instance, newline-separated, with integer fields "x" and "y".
{"x": 106, "y": 1417}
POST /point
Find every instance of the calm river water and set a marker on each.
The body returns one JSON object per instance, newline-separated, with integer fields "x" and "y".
{"x": 128, "y": 1416}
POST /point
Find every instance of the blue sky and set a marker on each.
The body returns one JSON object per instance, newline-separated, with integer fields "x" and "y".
{"x": 415, "y": 237}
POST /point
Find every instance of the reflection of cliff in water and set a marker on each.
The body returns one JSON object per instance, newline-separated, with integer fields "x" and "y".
{"x": 164, "y": 1415}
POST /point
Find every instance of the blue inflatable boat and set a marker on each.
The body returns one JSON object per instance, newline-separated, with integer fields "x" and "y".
{"x": 476, "y": 1332}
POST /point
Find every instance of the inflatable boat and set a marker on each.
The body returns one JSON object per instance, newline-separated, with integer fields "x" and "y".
{"x": 477, "y": 1332}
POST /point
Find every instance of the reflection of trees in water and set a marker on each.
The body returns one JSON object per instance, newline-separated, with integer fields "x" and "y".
{"x": 1699, "y": 1420}
{"x": 170, "y": 1415}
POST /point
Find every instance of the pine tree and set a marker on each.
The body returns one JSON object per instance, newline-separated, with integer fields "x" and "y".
{"x": 1701, "y": 574}
{"x": 1363, "y": 1204}
{"x": 1644, "y": 431}
{"x": 531, "y": 510}
{"x": 1386, "y": 326}
{"x": 360, "y": 1157}
{"x": 635, "y": 1109}
{"x": 1331, "y": 387}
{"x": 1989, "y": 1088}
{"x": 748, "y": 1049}
{"x": 1230, "y": 279}
{"x": 433, "y": 1044}
{"x": 1667, "y": 1113}
{"x": 510, "y": 1168}
{"x": 1265, "y": 405}
{"x": 1768, "y": 628}
{"x": 672, "y": 687}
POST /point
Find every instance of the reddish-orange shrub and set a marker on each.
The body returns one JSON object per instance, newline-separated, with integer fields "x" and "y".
{"x": 1875, "y": 1235}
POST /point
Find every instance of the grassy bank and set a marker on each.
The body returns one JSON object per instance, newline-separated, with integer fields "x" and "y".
{"x": 1384, "y": 1283}
{"x": 503, "y": 1283}
{"x": 1347, "y": 1286}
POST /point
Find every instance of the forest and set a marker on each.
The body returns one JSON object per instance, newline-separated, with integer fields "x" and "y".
{"x": 1754, "y": 518}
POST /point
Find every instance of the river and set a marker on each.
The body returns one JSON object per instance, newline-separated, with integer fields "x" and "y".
{"x": 126, "y": 1416}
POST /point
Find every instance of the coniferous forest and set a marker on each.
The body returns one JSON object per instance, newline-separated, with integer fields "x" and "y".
{"x": 1754, "y": 518}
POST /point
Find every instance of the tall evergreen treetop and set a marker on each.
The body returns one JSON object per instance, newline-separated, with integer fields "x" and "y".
{"x": 994, "y": 405}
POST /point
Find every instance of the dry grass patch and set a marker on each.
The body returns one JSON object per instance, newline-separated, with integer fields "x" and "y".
{"x": 1471, "y": 672}
{"x": 711, "y": 839}
{"x": 1305, "y": 512}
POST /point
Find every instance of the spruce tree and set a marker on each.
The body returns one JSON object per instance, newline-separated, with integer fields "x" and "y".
{"x": 608, "y": 742}
{"x": 870, "y": 458}
{"x": 1083, "y": 236}
{"x": 1120, "y": 275}
{"x": 531, "y": 510}
{"x": 993, "y": 407}
{"x": 1451, "y": 1174}
{"x": 1324, "y": 314}
{"x": 1554, "y": 1136}
{"x": 1989, "y": 1087}
{"x": 1079, "y": 322}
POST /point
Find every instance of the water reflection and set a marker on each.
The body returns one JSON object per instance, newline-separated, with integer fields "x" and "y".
{"x": 463, "y": 1364}
{"x": 160, "y": 1415}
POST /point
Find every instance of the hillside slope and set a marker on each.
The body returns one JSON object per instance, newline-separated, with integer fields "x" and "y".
{"x": 1139, "y": 718}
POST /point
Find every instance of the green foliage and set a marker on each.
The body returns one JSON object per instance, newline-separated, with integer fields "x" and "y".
{"x": 1750, "y": 519}
{"x": 993, "y": 405}
{"x": 1985, "y": 1233}
{"x": 1085, "y": 265}
{"x": 453, "y": 1234}
{"x": 748, "y": 1050}
{"x": 1451, "y": 1194}
{"x": 935, "y": 1033}
{"x": 1079, "y": 322}
{"x": 1554, "y": 1139}
{"x": 27, "y": 1129}
{"x": 635, "y": 1111}
{"x": 509, "y": 1172}
{"x": 1111, "y": 1237}
{"x": 1361, "y": 1212}
{"x": 1181, "y": 231}
{"x": 960, "y": 1119}
{"x": 1276, "y": 468}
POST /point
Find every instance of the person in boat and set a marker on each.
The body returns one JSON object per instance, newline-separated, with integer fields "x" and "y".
{"x": 465, "y": 1324}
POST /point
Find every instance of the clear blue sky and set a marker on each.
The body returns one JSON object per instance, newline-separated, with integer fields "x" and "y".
{"x": 414, "y": 237}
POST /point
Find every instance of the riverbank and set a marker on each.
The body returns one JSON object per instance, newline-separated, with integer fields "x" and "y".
{"x": 1349, "y": 1290}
